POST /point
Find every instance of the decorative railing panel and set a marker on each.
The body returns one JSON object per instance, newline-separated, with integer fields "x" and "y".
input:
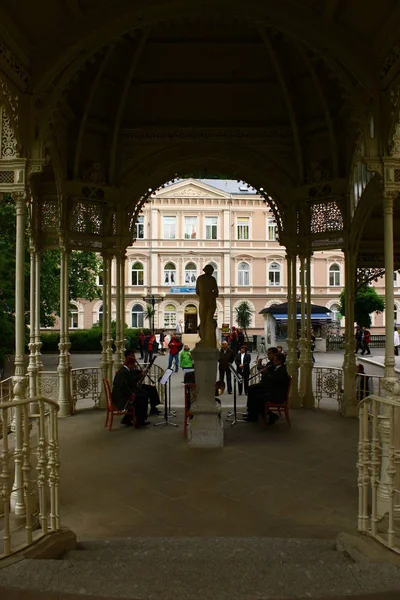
{"x": 48, "y": 384}
{"x": 337, "y": 342}
{"x": 379, "y": 470}
{"x": 29, "y": 473}
{"x": 327, "y": 384}
{"x": 85, "y": 385}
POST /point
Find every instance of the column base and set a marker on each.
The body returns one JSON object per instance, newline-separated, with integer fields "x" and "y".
{"x": 349, "y": 410}
{"x": 206, "y": 431}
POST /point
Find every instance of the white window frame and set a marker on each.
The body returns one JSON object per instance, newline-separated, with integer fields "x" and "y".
{"x": 74, "y": 316}
{"x": 139, "y": 227}
{"x": 215, "y": 272}
{"x": 277, "y": 281}
{"x": 191, "y": 273}
{"x": 137, "y": 313}
{"x": 190, "y": 221}
{"x": 100, "y": 314}
{"x": 100, "y": 279}
{"x": 171, "y": 274}
{"x": 243, "y": 228}
{"x": 272, "y": 230}
{"x": 243, "y": 274}
{"x": 211, "y": 228}
{"x": 137, "y": 271}
{"x": 169, "y": 227}
{"x": 335, "y": 273}
{"x": 169, "y": 317}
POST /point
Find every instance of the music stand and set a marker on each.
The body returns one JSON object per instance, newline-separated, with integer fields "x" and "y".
{"x": 166, "y": 382}
{"x": 237, "y": 378}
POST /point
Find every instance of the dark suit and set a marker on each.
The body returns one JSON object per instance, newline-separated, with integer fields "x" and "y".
{"x": 243, "y": 371}
{"x": 272, "y": 388}
{"x": 124, "y": 385}
{"x": 226, "y": 358}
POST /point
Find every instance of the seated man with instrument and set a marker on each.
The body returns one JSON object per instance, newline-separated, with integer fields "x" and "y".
{"x": 269, "y": 365}
{"x": 273, "y": 387}
{"x": 126, "y": 394}
{"x": 139, "y": 375}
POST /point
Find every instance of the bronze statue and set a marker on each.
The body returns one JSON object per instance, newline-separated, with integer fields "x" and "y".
{"x": 207, "y": 291}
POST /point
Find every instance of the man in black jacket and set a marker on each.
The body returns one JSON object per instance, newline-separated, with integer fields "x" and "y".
{"x": 226, "y": 358}
{"x": 273, "y": 387}
{"x": 242, "y": 361}
{"x": 124, "y": 386}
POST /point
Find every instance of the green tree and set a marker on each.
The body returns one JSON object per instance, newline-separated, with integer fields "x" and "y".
{"x": 149, "y": 313}
{"x": 366, "y": 302}
{"x": 243, "y": 316}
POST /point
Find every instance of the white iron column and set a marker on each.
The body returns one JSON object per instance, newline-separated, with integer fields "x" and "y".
{"x": 349, "y": 402}
{"x": 292, "y": 361}
{"x": 302, "y": 341}
{"x": 390, "y": 384}
{"x": 32, "y": 366}
{"x": 103, "y": 358}
{"x": 107, "y": 317}
{"x": 63, "y": 369}
{"x": 120, "y": 310}
{"x": 19, "y": 379}
{"x": 308, "y": 398}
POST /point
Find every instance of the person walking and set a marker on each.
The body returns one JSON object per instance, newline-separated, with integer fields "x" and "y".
{"x": 175, "y": 346}
{"x": 242, "y": 361}
{"x": 185, "y": 359}
{"x": 358, "y": 338}
{"x": 365, "y": 341}
{"x": 226, "y": 358}
{"x": 396, "y": 341}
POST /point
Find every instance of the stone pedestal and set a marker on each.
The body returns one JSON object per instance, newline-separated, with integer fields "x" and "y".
{"x": 206, "y": 429}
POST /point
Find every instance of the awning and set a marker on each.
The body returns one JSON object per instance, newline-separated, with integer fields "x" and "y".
{"x": 280, "y": 312}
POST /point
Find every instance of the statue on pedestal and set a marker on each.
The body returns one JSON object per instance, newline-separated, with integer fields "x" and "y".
{"x": 207, "y": 291}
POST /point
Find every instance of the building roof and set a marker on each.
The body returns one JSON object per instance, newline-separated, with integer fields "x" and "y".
{"x": 229, "y": 186}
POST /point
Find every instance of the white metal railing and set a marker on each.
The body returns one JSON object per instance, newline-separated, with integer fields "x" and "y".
{"x": 327, "y": 384}
{"x": 85, "y": 385}
{"x": 379, "y": 470}
{"x": 29, "y": 473}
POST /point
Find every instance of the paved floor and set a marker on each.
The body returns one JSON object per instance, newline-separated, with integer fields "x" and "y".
{"x": 277, "y": 481}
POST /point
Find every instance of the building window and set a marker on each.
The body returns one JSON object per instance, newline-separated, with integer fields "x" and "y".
{"x": 211, "y": 228}
{"x": 215, "y": 272}
{"x": 169, "y": 228}
{"x": 169, "y": 274}
{"x": 137, "y": 274}
{"x": 243, "y": 227}
{"x": 243, "y": 274}
{"x": 100, "y": 279}
{"x": 335, "y": 312}
{"x": 272, "y": 230}
{"x": 100, "y": 315}
{"x": 190, "y": 228}
{"x": 170, "y": 317}
{"x": 137, "y": 316}
{"x": 140, "y": 227}
{"x": 396, "y": 314}
{"x": 74, "y": 316}
{"x": 190, "y": 274}
{"x": 274, "y": 274}
{"x": 334, "y": 275}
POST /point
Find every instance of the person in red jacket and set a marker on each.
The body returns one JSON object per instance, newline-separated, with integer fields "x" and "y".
{"x": 175, "y": 346}
{"x": 365, "y": 340}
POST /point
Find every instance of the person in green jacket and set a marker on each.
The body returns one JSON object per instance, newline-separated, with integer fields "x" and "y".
{"x": 185, "y": 359}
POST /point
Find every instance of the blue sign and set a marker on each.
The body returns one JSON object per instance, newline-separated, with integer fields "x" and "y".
{"x": 182, "y": 290}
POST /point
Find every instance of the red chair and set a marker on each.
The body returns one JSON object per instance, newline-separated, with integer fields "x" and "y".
{"x": 279, "y": 407}
{"x": 113, "y": 410}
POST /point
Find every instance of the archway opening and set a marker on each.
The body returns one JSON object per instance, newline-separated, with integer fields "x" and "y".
{"x": 191, "y": 318}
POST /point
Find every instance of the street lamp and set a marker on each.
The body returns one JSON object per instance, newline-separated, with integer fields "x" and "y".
{"x": 152, "y": 300}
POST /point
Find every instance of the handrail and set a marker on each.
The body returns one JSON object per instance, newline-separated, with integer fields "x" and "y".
{"x": 15, "y": 403}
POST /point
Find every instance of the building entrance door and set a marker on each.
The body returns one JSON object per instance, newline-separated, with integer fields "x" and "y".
{"x": 191, "y": 319}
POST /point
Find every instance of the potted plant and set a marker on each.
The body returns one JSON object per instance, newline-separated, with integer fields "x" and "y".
{"x": 243, "y": 319}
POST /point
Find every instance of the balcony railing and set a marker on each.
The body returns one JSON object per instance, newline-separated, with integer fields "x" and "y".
{"x": 379, "y": 470}
{"x": 29, "y": 477}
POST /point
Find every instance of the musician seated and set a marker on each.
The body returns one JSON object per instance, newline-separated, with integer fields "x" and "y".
{"x": 269, "y": 365}
{"x": 138, "y": 376}
{"x": 124, "y": 387}
{"x": 272, "y": 388}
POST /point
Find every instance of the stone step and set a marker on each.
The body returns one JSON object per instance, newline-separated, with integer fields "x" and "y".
{"x": 204, "y": 569}
{"x": 229, "y": 549}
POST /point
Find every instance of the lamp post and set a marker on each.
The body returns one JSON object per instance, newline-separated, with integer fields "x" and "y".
{"x": 152, "y": 300}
